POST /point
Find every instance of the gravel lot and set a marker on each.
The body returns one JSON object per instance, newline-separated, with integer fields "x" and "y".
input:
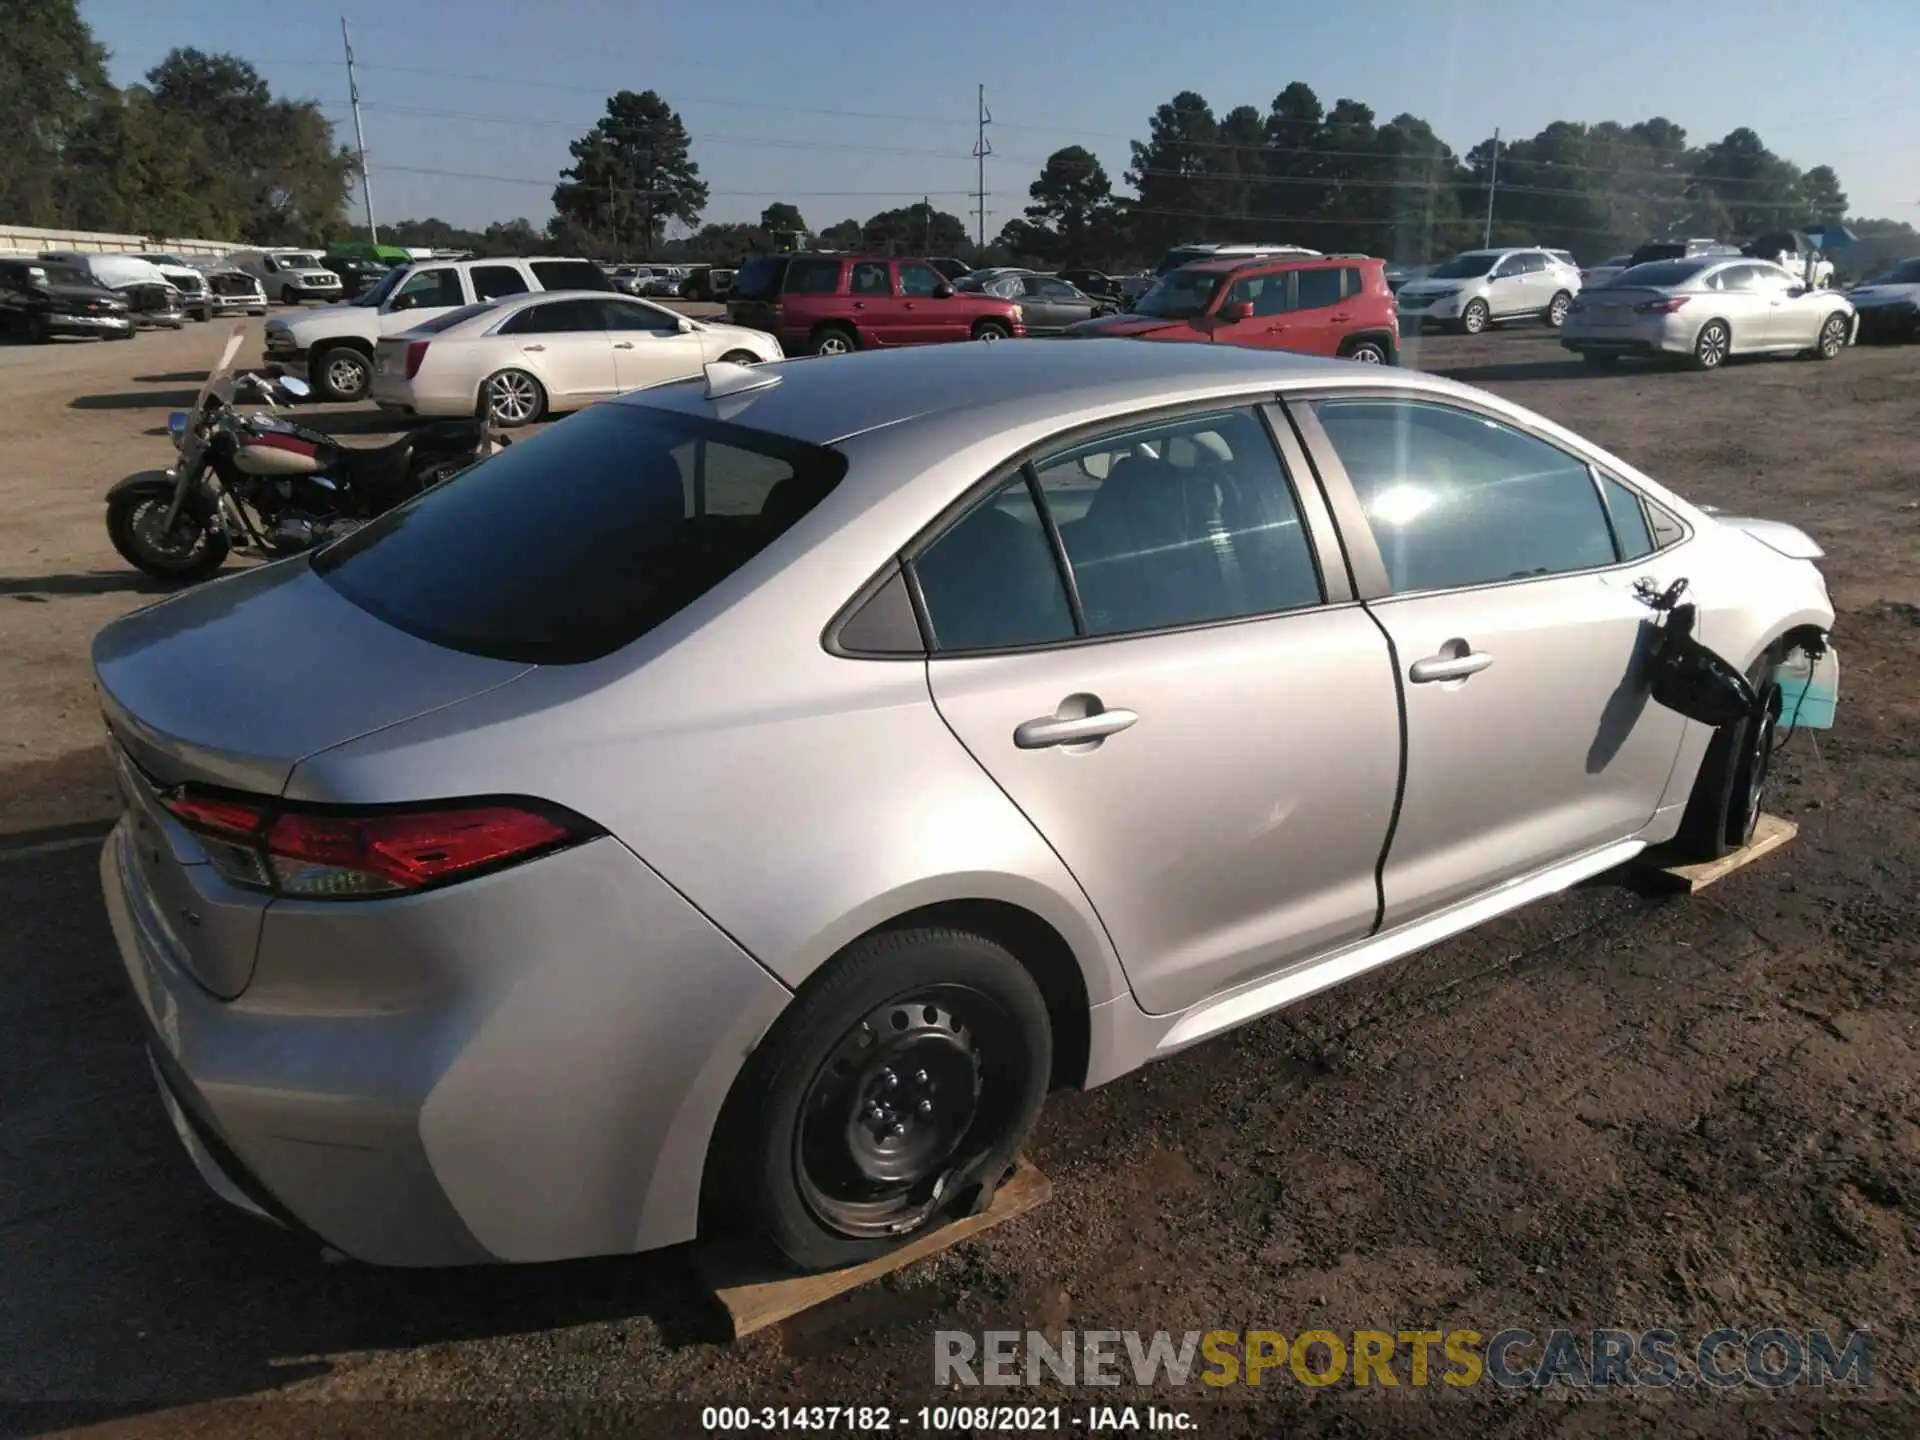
{"x": 1612, "y": 1109}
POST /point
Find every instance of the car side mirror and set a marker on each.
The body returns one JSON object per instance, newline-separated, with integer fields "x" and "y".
{"x": 405, "y": 302}
{"x": 684, "y": 326}
{"x": 1236, "y": 311}
{"x": 1796, "y": 291}
{"x": 943, "y": 291}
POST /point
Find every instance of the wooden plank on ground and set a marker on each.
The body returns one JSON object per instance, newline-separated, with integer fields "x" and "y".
{"x": 755, "y": 1295}
{"x": 1769, "y": 835}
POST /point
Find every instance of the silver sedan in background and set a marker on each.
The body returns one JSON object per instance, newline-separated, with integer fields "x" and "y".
{"x": 738, "y": 805}
{"x": 1707, "y": 308}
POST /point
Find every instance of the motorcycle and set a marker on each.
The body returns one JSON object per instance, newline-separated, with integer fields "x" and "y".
{"x": 254, "y": 481}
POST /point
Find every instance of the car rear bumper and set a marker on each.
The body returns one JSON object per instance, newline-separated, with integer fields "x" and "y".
{"x": 525, "y": 1067}
{"x": 1641, "y": 335}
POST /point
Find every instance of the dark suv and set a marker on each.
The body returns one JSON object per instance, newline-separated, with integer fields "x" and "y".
{"x": 40, "y": 299}
{"x": 833, "y": 304}
{"x": 1318, "y": 305}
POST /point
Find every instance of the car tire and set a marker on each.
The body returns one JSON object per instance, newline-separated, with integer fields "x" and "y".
{"x": 512, "y": 398}
{"x": 1475, "y": 317}
{"x": 740, "y": 357}
{"x": 287, "y": 297}
{"x": 991, "y": 331}
{"x": 1711, "y": 346}
{"x": 341, "y": 373}
{"x": 38, "y": 330}
{"x": 1556, "y": 312}
{"x": 1367, "y": 351}
{"x": 835, "y": 340}
{"x": 1833, "y": 338}
{"x": 903, "y": 1079}
{"x": 1730, "y": 789}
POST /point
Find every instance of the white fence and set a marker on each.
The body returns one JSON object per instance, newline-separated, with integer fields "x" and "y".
{"x": 27, "y": 240}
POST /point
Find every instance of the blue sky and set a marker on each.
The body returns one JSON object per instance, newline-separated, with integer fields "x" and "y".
{"x": 848, "y": 109}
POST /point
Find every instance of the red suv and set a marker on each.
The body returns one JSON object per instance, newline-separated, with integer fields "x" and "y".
{"x": 833, "y": 304}
{"x": 1317, "y": 305}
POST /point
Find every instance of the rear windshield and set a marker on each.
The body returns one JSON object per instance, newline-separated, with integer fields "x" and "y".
{"x": 1907, "y": 272}
{"x": 1647, "y": 254}
{"x": 580, "y": 540}
{"x": 1661, "y": 273}
{"x": 570, "y": 275}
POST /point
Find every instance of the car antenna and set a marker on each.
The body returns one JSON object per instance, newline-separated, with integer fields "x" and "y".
{"x": 725, "y": 377}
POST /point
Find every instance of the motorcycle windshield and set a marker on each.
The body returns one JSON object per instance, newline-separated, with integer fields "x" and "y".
{"x": 219, "y": 382}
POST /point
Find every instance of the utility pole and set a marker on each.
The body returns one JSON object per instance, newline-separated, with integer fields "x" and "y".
{"x": 1493, "y": 178}
{"x": 982, "y": 147}
{"x": 359, "y": 135}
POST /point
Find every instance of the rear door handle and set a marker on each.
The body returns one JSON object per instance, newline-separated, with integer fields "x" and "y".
{"x": 623, "y": 345}
{"x": 1050, "y": 730}
{"x": 533, "y": 347}
{"x": 1449, "y": 667}
{"x": 1342, "y": 316}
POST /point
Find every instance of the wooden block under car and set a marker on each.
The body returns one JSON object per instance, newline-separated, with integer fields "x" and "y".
{"x": 1769, "y": 835}
{"x": 755, "y": 1295}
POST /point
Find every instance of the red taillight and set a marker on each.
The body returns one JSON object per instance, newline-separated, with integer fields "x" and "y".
{"x": 1660, "y": 307}
{"x": 416, "y": 352}
{"x": 334, "y": 855}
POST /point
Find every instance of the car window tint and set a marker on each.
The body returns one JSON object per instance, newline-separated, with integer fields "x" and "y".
{"x": 1173, "y": 524}
{"x": 1633, "y": 537}
{"x": 991, "y": 581}
{"x": 1456, "y": 499}
{"x": 569, "y": 275}
{"x": 1737, "y": 277}
{"x": 870, "y": 277}
{"x": 1007, "y": 287}
{"x": 496, "y": 282}
{"x": 625, "y": 315}
{"x": 918, "y": 279}
{"x": 442, "y": 323}
{"x": 557, "y": 317}
{"x": 1319, "y": 288}
{"x": 640, "y": 513}
{"x": 431, "y": 288}
{"x": 1266, "y": 293}
{"x": 812, "y": 277}
{"x": 1057, "y": 290}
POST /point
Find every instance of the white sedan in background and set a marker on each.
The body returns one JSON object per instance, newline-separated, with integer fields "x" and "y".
{"x": 533, "y": 355}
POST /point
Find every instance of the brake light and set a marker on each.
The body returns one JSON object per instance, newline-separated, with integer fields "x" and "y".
{"x": 416, "y": 352}
{"x": 329, "y": 854}
{"x": 1660, "y": 307}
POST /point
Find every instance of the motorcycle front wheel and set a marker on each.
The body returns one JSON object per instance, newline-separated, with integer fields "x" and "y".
{"x": 193, "y": 549}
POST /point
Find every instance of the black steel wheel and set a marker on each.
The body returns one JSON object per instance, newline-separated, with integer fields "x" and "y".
{"x": 902, "y": 1080}
{"x": 1729, "y": 792}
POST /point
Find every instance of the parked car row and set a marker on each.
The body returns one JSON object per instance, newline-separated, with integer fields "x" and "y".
{"x": 109, "y": 296}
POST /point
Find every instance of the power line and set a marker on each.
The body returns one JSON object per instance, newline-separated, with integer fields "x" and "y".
{"x": 550, "y": 183}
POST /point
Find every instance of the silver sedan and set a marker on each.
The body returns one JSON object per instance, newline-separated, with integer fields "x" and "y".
{"x": 1707, "y": 308}
{"x": 738, "y": 805}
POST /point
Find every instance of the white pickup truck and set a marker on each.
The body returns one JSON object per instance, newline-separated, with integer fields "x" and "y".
{"x": 332, "y": 348}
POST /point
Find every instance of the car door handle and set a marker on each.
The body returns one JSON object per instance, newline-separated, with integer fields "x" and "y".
{"x": 623, "y": 345}
{"x": 859, "y": 304}
{"x": 533, "y": 347}
{"x": 1049, "y": 730}
{"x": 1341, "y": 317}
{"x": 1449, "y": 667}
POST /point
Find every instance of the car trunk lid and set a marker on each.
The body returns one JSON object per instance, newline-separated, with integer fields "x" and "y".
{"x": 229, "y": 686}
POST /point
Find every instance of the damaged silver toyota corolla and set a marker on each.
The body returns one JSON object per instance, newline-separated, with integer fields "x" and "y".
{"x": 739, "y": 804}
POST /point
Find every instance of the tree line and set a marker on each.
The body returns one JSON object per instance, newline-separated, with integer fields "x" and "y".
{"x": 204, "y": 147}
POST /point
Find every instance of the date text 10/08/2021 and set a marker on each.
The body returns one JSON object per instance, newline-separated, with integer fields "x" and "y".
{"x": 959, "y": 1419}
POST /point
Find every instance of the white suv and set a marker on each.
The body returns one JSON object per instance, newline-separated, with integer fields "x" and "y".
{"x": 333, "y": 348}
{"x": 1478, "y": 287}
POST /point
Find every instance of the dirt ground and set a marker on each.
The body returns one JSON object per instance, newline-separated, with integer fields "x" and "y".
{"x": 1615, "y": 1108}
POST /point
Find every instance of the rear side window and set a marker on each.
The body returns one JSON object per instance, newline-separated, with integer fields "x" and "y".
{"x": 449, "y": 320}
{"x": 991, "y": 581}
{"x": 497, "y": 282}
{"x": 759, "y": 278}
{"x": 1319, "y": 287}
{"x": 570, "y": 275}
{"x": 637, "y": 514}
{"x": 556, "y": 317}
{"x": 811, "y": 277}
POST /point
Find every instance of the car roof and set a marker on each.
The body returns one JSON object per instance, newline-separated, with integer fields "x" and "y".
{"x": 971, "y": 388}
{"x": 1234, "y": 264}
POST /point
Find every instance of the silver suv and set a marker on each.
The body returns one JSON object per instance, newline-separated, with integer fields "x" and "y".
{"x": 1478, "y": 287}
